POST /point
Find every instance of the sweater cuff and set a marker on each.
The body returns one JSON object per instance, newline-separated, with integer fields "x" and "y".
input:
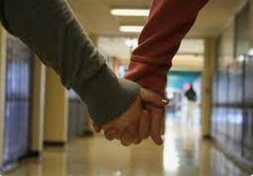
{"x": 148, "y": 76}
{"x": 106, "y": 96}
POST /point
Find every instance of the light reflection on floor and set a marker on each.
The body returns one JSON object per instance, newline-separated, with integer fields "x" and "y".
{"x": 183, "y": 154}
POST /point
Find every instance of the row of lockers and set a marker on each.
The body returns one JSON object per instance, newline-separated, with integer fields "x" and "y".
{"x": 234, "y": 85}
{"x": 17, "y": 100}
{"x": 232, "y": 118}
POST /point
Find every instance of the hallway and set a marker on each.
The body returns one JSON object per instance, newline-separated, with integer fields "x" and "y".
{"x": 214, "y": 62}
{"x": 183, "y": 154}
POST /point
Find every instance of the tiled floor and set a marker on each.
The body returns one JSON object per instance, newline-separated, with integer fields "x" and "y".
{"x": 183, "y": 154}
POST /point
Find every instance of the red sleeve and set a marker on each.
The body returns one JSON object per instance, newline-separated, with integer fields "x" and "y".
{"x": 168, "y": 23}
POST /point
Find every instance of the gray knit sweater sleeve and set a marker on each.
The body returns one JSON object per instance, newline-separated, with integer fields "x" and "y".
{"x": 51, "y": 30}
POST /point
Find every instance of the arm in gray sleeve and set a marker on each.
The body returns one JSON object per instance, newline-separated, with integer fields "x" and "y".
{"x": 51, "y": 30}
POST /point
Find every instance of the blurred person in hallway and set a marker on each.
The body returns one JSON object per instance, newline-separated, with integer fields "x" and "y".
{"x": 191, "y": 96}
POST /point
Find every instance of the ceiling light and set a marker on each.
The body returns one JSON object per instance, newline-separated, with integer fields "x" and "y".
{"x": 130, "y": 12}
{"x": 134, "y": 29}
{"x": 250, "y": 53}
{"x": 241, "y": 58}
{"x": 131, "y": 43}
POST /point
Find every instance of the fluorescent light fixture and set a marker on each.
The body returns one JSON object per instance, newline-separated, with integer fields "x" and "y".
{"x": 250, "y": 52}
{"x": 130, "y": 12}
{"x": 131, "y": 43}
{"x": 240, "y": 58}
{"x": 133, "y": 29}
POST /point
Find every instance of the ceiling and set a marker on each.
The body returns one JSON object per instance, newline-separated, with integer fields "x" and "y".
{"x": 190, "y": 50}
{"x": 96, "y": 18}
{"x": 117, "y": 47}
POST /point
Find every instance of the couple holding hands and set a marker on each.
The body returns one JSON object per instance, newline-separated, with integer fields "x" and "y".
{"x": 130, "y": 109}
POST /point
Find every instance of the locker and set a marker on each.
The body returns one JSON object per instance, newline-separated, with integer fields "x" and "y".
{"x": 17, "y": 100}
{"x": 215, "y": 106}
{"x": 248, "y": 118}
{"x": 230, "y": 129}
{"x": 231, "y": 86}
{"x": 239, "y": 82}
{"x": 78, "y": 116}
{"x": 248, "y": 136}
{"x": 247, "y": 129}
{"x": 223, "y": 121}
{"x": 222, "y": 87}
{"x": 248, "y": 82}
{"x": 237, "y": 125}
{"x": 214, "y": 121}
{"x": 218, "y": 137}
{"x": 72, "y": 119}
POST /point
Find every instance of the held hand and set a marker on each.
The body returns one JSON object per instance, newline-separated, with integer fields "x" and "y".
{"x": 124, "y": 127}
{"x": 127, "y": 119}
{"x": 145, "y": 125}
{"x": 149, "y": 125}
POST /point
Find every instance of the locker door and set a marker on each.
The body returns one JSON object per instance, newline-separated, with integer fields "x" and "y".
{"x": 73, "y": 113}
{"x": 248, "y": 82}
{"x": 235, "y": 125}
{"x": 83, "y": 119}
{"x": 77, "y": 116}
{"x": 216, "y": 92}
{"x": 222, "y": 112}
{"x": 239, "y": 69}
{"x": 248, "y": 112}
{"x": 17, "y": 100}
{"x": 214, "y": 106}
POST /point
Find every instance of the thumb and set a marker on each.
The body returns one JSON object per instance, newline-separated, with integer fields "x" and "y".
{"x": 151, "y": 97}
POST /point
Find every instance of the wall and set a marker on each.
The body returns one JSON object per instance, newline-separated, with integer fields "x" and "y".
{"x": 38, "y": 105}
{"x": 207, "y": 77}
{"x": 56, "y": 110}
{"x": 227, "y": 45}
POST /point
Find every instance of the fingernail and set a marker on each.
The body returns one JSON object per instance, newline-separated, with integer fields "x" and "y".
{"x": 145, "y": 112}
{"x": 165, "y": 101}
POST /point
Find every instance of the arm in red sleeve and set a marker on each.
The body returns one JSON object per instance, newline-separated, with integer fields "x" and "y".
{"x": 168, "y": 23}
